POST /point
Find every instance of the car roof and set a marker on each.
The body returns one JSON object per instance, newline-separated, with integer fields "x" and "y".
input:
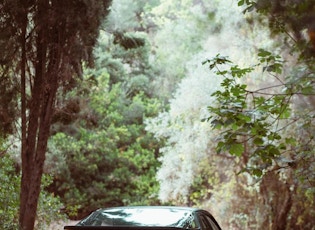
{"x": 152, "y": 207}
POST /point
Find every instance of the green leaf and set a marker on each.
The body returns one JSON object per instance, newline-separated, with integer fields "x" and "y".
{"x": 273, "y": 151}
{"x": 263, "y": 53}
{"x": 309, "y": 89}
{"x": 220, "y": 146}
{"x": 244, "y": 117}
{"x": 285, "y": 114}
{"x": 258, "y": 141}
{"x": 290, "y": 141}
{"x": 282, "y": 146}
{"x": 217, "y": 124}
{"x": 236, "y": 149}
{"x": 241, "y": 2}
{"x": 257, "y": 172}
{"x": 276, "y": 68}
{"x": 274, "y": 136}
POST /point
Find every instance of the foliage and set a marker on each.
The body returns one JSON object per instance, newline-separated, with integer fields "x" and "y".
{"x": 204, "y": 183}
{"x": 247, "y": 116}
{"x": 117, "y": 157}
{"x": 49, "y": 205}
{"x": 131, "y": 80}
{"x": 126, "y": 15}
{"x": 8, "y": 104}
{"x": 105, "y": 137}
{"x": 270, "y": 128}
{"x": 264, "y": 118}
{"x": 188, "y": 141}
{"x": 255, "y": 119}
{"x": 295, "y": 19}
{"x": 9, "y": 195}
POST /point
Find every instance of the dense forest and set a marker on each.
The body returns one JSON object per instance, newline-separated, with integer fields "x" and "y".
{"x": 204, "y": 103}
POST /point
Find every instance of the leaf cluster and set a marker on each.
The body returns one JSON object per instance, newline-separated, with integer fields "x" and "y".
{"x": 251, "y": 120}
{"x": 291, "y": 18}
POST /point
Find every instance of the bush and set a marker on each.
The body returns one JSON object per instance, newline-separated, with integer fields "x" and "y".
{"x": 9, "y": 194}
{"x": 49, "y": 205}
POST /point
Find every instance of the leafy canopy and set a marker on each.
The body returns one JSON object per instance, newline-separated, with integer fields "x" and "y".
{"x": 253, "y": 121}
{"x": 265, "y": 124}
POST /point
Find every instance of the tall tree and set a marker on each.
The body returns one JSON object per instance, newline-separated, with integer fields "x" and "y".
{"x": 47, "y": 41}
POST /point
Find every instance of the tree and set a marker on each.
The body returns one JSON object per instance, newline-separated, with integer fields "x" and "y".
{"x": 47, "y": 41}
{"x": 100, "y": 130}
{"x": 271, "y": 128}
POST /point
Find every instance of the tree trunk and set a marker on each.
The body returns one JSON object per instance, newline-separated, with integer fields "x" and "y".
{"x": 281, "y": 218}
{"x": 34, "y": 173}
{"x": 278, "y": 196}
{"x": 25, "y": 165}
{"x": 35, "y": 133}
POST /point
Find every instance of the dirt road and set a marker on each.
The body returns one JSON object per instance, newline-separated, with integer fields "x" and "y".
{"x": 59, "y": 225}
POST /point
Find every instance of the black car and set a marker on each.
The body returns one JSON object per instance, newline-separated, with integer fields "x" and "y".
{"x": 149, "y": 217}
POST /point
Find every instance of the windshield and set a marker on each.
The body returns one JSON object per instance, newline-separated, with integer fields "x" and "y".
{"x": 141, "y": 217}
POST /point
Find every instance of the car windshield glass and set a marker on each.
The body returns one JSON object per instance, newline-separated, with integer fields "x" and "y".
{"x": 140, "y": 217}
